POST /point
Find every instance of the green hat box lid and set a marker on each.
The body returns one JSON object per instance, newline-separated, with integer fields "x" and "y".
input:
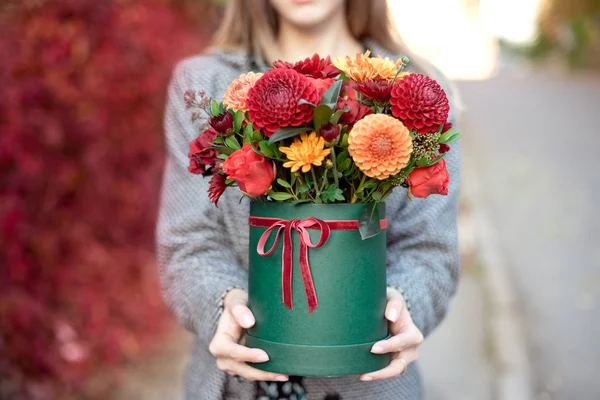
{"x": 349, "y": 276}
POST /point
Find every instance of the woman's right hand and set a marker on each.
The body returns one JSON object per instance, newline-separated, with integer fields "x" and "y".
{"x": 227, "y": 344}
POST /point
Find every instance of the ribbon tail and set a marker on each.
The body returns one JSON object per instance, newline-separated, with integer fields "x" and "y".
{"x": 309, "y": 287}
{"x": 286, "y": 272}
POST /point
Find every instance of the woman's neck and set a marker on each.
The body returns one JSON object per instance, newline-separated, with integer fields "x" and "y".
{"x": 332, "y": 39}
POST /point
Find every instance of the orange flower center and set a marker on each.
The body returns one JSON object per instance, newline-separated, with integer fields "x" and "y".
{"x": 381, "y": 146}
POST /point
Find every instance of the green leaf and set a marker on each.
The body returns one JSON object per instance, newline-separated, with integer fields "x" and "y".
{"x": 225, "y": 150}
{"x": 446, "y": 136}
{"x": 453, "y": 139}
{"x": 322, "y": 114}
{"x": 256, "y": 136}
{"x": 222, "y": 157}
{"x": 229, "y": 182}
{"x": 331, "y": 194}
{"x": 338, "y": 114}
{"x": 330, "y": 97}
{"x": 345, "y": 140}
{"x": 304, "y": 188}
{"x": 293, "y": 178}
{"x": 215, "y": 108}
{"x": 285, "y": 184}
{"x": 285, "y": 133}
{"x": 232, "y": 142}
{"x": 302, "y": 101}
{"x": 218, "y": 140}
{"x": 248, "y": 131}
{"x": 371, "y": 184}
{"x": 343, "y": 77}
{"x": 265, "y": 149}
{"x": 300, "y": 201}
{"x": 238, "y": 118}
{"x": 438, "y": 158}
{"x": 344, "y": 165}
{"x": 368, "y": 223}
{"x": 280, "y": 196}
{"x": 440, "y": 129}
{"x": 377, "y": 196}
{"x": 343, "y": 156}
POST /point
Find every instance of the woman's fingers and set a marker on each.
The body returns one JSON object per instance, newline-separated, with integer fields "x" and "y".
{"x": 394, "y": 308}
{"x": 410, "y": 337}
{"x": 237, "y": 368}
{"x": 223, "y": 346}
{"x": 395, "y": 368}
{"x": 236, "y": 303}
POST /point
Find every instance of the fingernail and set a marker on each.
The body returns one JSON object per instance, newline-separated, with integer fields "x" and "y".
{"x": 376, "y": 349}
{"x": 262, "y": 358}
{"x": 366, "y": 378}
{"x": 282, "y": 378}
{"x": 393, "y": 314}
{"x": 247, "y": 320}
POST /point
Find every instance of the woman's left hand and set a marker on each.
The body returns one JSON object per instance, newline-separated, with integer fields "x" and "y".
{"x": 403, "y": 343}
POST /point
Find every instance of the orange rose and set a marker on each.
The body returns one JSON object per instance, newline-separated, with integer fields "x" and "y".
{"x": 253, "y": 172}
{"x": 429, "y": 180}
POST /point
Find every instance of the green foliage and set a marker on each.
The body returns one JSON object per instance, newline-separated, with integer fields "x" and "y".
{"x": 286, "y": 133}
{"x": 331, "y": 194}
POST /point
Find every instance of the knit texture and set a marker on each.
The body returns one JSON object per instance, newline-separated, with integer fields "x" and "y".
{"x": 203, "y": 250}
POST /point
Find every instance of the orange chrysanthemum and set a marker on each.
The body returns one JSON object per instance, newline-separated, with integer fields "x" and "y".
{"x": 362, "y": 67}
{"x": 380, "y": 145}
{"x": 237, "y": 92}
{"x": 305, "y": 152}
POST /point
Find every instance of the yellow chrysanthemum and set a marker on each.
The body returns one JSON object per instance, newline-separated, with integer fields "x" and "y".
{"x": 380, "y": 145}
{"x": 305, "y": 152}
{"x": 362, "y": 67}
{"x": 236, "y": 93}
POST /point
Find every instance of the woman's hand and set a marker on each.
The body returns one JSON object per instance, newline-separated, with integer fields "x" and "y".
{"x": 403, "y": 343}
{"x": 227, "y": 344}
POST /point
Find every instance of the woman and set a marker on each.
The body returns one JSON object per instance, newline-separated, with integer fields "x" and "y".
{"x": 203, "y": 250}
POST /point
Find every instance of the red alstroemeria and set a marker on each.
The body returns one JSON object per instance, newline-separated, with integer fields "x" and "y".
{"x": 216, "y": 188}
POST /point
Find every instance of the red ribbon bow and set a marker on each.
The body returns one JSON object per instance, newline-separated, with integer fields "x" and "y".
{"x": 301, "y": 227}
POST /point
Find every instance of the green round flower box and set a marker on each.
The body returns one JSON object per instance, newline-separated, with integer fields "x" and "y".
{"x": 350, "y": 280}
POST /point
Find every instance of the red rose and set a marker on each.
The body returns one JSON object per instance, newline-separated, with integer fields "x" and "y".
{"x": 429, "y": 180}
{"x": 201, "y": 153}
{"x": 357, "y": 111}
{"x": 315, "y": 67}
{"x": 253, "y": 172}
{"x": 273, "y": 100}
{"x": 420, "y": 103}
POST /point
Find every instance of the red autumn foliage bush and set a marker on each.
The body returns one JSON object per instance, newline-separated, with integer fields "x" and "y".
{"x": 84, "y": 85}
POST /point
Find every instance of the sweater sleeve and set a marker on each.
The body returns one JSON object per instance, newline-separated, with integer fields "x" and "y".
{"x": 196, "y": 261}
{"x": 423, "y": 257}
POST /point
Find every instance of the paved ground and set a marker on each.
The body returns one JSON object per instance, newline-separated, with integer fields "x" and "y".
{"x": 535, "y": 141}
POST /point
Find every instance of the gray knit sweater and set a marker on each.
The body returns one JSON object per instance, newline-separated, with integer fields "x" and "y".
{"x": 203, "y": 250}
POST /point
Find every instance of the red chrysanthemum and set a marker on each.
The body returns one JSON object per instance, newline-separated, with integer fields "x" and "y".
{"x": 315, "y": 67}
{"x": 379, "y": 91}
{"x": 273, "y": 100}
{"x": 420, "y": 103}
{"x": 357, "y": 111}
{"x": 216, "y": 188}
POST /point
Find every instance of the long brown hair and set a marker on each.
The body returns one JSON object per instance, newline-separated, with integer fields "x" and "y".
{"x": 253, "y": 25}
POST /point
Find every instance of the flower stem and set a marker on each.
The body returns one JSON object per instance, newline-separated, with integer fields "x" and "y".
{"x": 359, "y": 189}
{"x": 315, "y": 183}
{"x": 335, "y": 171}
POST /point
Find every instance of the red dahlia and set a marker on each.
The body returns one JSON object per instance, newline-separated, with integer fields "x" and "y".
{"x": 378, "y": 91}
{"x": 201, "y": 153}
{"x": 315, "y": 67}
{"x": 273, "y": 100}
{"x": 420, "y": 103}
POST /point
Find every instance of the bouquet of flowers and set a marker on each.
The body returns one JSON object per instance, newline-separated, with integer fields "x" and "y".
{"x": 312, "y": 135}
